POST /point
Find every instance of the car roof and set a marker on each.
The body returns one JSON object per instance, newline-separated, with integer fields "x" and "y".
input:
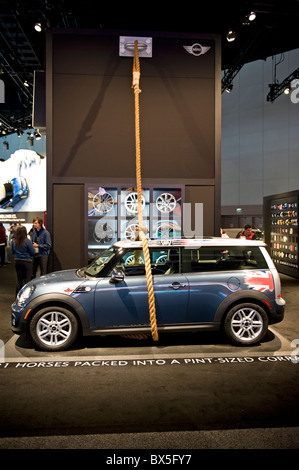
{"x": 192, "y": 242}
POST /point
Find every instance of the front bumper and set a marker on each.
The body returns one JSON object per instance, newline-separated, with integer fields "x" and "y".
{"x": 18, "y": 319}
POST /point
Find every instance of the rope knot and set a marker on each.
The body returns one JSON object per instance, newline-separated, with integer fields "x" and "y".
{"x": 140, "y": 233}
{"x": 136, "y": 78}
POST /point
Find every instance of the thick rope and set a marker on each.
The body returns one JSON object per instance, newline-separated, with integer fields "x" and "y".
{"x": 142, "y": 230}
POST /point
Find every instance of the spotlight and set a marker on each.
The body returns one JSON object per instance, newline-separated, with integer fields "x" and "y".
{"x": 26, "y": 83}
{"x": 252, "y": 16}
{"x": 287, "y": 90}
{"x": 229, "y": 88}
{"x": 231, "y": 36}
{"x": 38, "y": 27}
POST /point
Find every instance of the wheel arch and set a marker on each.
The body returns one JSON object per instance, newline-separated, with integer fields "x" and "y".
{"x": 243, "y": 296}
{"x": 60, "y": 300}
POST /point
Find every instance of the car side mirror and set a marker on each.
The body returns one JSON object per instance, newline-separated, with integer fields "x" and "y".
{"x": 116, "y": 276}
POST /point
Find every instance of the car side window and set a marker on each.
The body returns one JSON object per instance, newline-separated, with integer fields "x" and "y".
{"x": 216, "y": 258}
{"x": 163, "y": 261}
{"x": 132, "y": 263}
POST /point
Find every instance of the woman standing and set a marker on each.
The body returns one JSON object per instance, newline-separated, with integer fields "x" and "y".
{"x": 23, "y": 251}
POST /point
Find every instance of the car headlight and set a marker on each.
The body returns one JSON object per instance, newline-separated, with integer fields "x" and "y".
{"x": 24, "y": 295}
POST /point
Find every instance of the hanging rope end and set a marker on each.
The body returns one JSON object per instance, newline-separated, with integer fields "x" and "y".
{"x": 155, "y": 336}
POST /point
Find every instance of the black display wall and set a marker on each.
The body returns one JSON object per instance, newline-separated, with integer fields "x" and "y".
{"x": 90, "y": 126}
{"x": 281, "y": 231}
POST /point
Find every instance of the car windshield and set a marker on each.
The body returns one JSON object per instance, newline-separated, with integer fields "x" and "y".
{"x": 98, "y": 264}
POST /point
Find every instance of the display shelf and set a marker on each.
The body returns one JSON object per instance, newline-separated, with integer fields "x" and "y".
{"x": 112, "y": 213}
{"x": 281, "y": 231}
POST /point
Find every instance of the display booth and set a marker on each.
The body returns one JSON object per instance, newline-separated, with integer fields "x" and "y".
{"x": 91, "y": 174}
{"x": 281, "y": 231}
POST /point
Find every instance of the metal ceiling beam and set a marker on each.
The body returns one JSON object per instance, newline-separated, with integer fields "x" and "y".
{"x": 276, "y": 89}
{"x": 18, "y": 61}
{"x": 251, "y": 44}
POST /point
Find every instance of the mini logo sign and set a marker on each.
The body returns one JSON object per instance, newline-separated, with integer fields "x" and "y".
{"x": 2, "y": 92}
{"x": 197, "y": 49}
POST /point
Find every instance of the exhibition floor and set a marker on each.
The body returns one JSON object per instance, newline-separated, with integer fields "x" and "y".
{"x": 186, "y": 392}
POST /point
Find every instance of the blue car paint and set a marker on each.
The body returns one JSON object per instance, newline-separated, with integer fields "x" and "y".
{"x": 126, "y": 303}
{"x": 198, "y": 298}
{"x": 19, "y": 191}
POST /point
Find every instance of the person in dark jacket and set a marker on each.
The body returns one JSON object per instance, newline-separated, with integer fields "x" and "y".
{"x": 41, "y": 240}
{"x": 23, "y": 252}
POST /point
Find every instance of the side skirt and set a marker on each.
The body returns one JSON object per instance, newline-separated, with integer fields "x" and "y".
{"x": 147, "y": 329}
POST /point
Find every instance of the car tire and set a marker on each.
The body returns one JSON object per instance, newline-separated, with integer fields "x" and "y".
{"x": 246, "y": 324}
{"x": 53, "y": 329}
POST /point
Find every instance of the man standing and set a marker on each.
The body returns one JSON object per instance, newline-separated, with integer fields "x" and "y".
{"x": 247, "y": 233}
{"x": 42, "y": 243}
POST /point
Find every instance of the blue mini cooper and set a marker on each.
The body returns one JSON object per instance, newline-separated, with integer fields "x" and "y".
{"x": 13, "y": 191}
{"x": 208, "y": 284}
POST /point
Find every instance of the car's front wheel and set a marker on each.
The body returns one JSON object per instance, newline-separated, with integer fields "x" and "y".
{"x": 54, "y": 329}
{"x": 246, "y": 324}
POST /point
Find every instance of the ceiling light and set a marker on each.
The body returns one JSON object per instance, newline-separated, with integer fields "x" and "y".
{"x": 252, "y": 16}
{"x": 38, "y": 27}
{"x": 231, "y": 36}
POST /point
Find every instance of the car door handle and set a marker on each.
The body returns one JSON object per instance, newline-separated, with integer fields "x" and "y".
{"x": 176, "y": 285}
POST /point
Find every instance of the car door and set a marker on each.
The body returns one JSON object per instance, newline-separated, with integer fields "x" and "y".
{"x": 171, "y": 298}
{"x": 170, "y": 286}
{"x": 121, "y": 304}
{"x": 125, "y": 303}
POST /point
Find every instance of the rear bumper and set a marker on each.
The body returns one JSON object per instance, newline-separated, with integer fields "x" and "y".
{"x": 276, "y": 314}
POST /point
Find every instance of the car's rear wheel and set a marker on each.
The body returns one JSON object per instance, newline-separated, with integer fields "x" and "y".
{"x": 246, "y": 324}
{"x": 54, "y": 329}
